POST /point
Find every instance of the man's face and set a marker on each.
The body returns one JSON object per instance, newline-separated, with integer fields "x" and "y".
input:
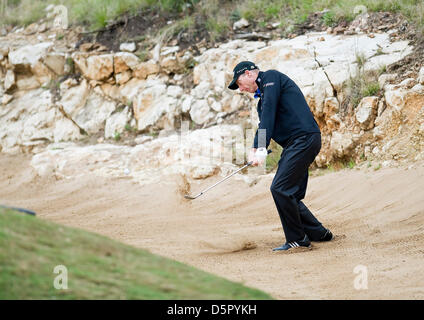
{"x": 246, "y": 82}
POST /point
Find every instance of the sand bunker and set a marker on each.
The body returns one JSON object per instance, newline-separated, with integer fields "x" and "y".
{"x": 377, "y": 216}
{"x": 228, "y": 246}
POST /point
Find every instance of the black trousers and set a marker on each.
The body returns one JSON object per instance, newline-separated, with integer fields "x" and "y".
{"x": 289, "y": 187}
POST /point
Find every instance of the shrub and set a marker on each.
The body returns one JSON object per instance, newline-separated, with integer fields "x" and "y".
{"x": 329, "y": 18}
{"x": 370, "y": 89}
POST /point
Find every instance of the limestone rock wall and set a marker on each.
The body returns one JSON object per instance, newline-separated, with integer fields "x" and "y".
{"x": 52, "y": 94}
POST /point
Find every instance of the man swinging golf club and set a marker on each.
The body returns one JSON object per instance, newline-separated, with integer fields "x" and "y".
{"x": 286, "y": 118}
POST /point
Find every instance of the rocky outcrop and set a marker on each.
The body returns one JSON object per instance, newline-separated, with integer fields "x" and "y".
{"x": 29, "y": 55}
{"x": 197, "y": 154}
{"x": 31, "y": 119}
{"x": 366, "y": 112}
{"x": 94, "y": 67}
{"x": 52, "y": 94}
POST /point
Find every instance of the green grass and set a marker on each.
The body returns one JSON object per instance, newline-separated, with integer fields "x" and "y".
{"x": 116, "y": 136}
{"x": 273, "y": 158}
{"x": 362, "y": 84}
{"x": 334, "y": 166}
{"x": 351, "y": 164}
{"x": 94, "y": 13}
{"x": 377, "y": 167}
{"x": 360, "y": 60}
{"x": 97, "y": 13}
{"x": 97, "y": 267}
{"x": 216, "y": 27}
{"x": 296, "y": 11}
{"x": 143, "y": 55}
{"x": 235, "y": 16}
{"x": 371, "y": 89}
{"x": 329, "y": 18}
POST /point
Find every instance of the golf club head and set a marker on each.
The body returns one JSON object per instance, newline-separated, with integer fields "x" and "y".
{"x": 187, "y": 196}
{"x": 194, "y": 197}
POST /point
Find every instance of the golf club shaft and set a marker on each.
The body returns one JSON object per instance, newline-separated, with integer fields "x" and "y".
{"x": 246, "y": 165}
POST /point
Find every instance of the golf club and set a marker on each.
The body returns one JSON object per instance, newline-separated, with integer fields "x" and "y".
{"x": 198, "y": 195}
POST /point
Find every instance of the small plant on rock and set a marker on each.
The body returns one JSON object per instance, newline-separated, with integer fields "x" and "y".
{"x": 329, "y": 18}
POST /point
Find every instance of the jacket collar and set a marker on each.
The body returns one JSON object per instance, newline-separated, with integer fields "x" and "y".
{"x": 259, "y": 84}
{"x": 258, "y": 80}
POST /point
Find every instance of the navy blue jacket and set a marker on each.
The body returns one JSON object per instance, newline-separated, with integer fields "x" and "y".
{"x": 282, "y": 109}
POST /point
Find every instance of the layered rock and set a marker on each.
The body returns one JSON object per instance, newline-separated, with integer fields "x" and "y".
{"x": 366, "y": 112}
{"x": 31, "y": 118}
{"x": 196, "y": 154}
{"x": 87, "y": 93}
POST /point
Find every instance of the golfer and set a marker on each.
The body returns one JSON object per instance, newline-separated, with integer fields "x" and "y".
{"x": 286, "y": 118}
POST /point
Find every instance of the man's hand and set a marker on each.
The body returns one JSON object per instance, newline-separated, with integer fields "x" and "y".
{"x": 252, "y": 157}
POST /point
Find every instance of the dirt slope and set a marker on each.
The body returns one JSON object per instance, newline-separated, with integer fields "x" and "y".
{"x": 377, "y": 217}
